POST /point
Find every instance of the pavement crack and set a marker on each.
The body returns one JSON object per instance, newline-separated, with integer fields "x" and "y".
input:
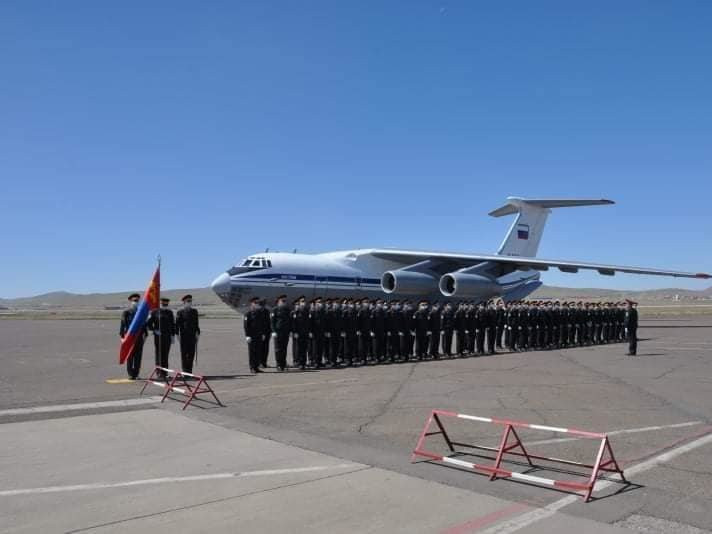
{"x": 387, "y": 404}
{"x": 213, "y": 501}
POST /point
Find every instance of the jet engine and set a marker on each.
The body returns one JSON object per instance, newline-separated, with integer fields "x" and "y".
{"x": 466, "y": 285}
{"x": 408, "y": 282}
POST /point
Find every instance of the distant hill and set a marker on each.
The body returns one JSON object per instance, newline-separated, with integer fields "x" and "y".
{"x": 205, "y": 297}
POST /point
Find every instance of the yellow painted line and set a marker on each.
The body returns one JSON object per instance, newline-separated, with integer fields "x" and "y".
{"x": 121, "y": 381}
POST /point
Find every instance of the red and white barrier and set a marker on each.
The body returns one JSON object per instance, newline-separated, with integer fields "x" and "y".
{"x": 605, "y": 460}
{"x": 177, "y": 381}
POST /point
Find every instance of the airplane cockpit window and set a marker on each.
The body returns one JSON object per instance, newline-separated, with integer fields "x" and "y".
{"x": 250, "y": 264}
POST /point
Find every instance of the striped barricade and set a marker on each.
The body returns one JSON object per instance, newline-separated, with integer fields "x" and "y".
{"x": 605, "y": 460}
{"x": 186, "y": 384}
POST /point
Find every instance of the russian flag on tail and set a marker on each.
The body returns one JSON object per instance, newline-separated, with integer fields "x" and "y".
{"x": 148, "y": 303}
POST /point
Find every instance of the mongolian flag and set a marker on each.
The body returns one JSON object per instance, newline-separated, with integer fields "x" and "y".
{"x": 148, "y": 303}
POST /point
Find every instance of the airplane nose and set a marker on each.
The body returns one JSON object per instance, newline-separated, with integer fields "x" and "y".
{"x": 221, "y": 285}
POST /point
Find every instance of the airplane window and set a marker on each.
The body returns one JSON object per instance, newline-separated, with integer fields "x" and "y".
{"x": 269, "y": 263}
{"x": 246, "y": 263}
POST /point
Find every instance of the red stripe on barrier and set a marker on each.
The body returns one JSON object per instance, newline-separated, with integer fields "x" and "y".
{"x": 443, "y": 412}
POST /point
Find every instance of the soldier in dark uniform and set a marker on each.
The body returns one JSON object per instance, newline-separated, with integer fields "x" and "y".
{"x": 408, "y": 330}
{"x": 434, "y": 328}
{"x": 490, "y": 326}
{"x": 421, "y": 323}
{"x": 630, "y": 322}
{"x": 350, "y": 323}
{"x": 364, "y": 332}
{"x": 333, "y": 327}
{"x": 317, "y": 329}
{"x": 393, "y": 320}
{"x": 300, "y": 333}
{"x": 133, "y": 363}
{"x": 280, "y": 323}
{"x": 266, "y": 331}
{"x": 471, "y": 321}
{"x": 461, "y": 327}
{"x": 378, "y": 331}
{"x": 188, "y": 332}
{"x": 500, "y": 316}
{"x": 253, "y": 333}
{"x": 162, "y": 323}
{"x": 447, "y": 323}
{"x": 480, "y": 325}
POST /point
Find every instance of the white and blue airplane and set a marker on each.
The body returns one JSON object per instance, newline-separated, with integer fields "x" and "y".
{"x": 512, "y": 273}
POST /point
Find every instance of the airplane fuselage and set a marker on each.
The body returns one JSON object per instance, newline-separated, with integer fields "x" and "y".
{"x": 354, "y": 274}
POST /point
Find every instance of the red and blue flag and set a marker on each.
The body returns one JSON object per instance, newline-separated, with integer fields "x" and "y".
{"x": 147, "y": 304}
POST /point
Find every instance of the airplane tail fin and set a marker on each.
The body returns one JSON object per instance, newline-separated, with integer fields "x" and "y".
{"x": 526, "y": 230}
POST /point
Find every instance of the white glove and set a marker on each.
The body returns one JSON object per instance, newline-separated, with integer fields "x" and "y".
{"x": 295, "y": 335}
{"x": 328, "y": 334}
{"x": 430, "y": 333}
{"x": 274, "y": 334}
{"x": 343, "y": 334}
{"x": 311, "y": 335}
{"x": 373, "y": 334}
{"x": 249, "y": 339}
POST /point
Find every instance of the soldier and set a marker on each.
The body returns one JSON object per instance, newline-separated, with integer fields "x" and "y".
{"x": 408, "y": 330}
{"x": 630, "y": 322}
{"x": 266, "y": 331}
{"x": 500, "y": 319}
{"x": 253, "y": 331}
{"x": 300, "y": 333}
{"x": 434, "y": 327}
{"x": 317, "y": 329}
{"x": 447, "y": 321}
{"x": 421, "y": 323}
{"x": 393, "y": 321}
{"x": 378, "y": 331}
{"x": 280, "y": 323}
{"x": 348, "y": 314}
{"x": 333, "y": 326}
{"x": 133, "y": 363}
{"x": 461, "y": 327}
{"x": 162, "y": 323}
{"x": 364, "y": 332}
{"x": 188, "y": 332}
{"x": 490, "y": 326}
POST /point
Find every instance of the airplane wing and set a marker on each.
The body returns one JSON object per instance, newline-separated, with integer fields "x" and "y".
{"x": 512, "y": 263}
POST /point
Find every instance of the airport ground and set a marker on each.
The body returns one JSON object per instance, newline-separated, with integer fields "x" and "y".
{"x": 329, "y": 451}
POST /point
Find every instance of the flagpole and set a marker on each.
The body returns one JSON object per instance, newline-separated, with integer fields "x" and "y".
{"x": 158, "y": 312}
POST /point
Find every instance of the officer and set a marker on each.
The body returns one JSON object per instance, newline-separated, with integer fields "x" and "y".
{"x": 133, "y": 363}
{"x": 300, "y": 333}
{"x": 421, "y": 323}
{"x": 500, "y": 315}
{"x": 392, "y": 329}
{"x": 333, "y": 330}
{"x": 434, "y": 327}
{"x": 350, "y": 323}
{"x": 280, "y": 323}
{"x": 378, "y": 331}
{"x": 364, "y": 332}
{"x": 253, "y": 333}
{"x": 266, "y": 331}
{"x": 630, "y": 321}
{"x": 188, "y": 332}
{"x": 447, "y": 324}
{"x": 471, "y": 321}
{"x": 162, "y": 323}
{"x": 408, "y": 330}
{"x": 491, "y": 326}
{"x": 317, "y": 329}
{"x": 480, "y": 327}
{"x": 461, "y": 326}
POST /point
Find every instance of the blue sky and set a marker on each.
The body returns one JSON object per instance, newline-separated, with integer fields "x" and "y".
{"x": 209, "y": 130}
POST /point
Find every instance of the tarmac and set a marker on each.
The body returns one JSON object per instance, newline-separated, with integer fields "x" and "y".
{"x": 329, "y": 451}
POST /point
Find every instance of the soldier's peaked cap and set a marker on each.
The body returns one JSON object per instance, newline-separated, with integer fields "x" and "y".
{"x": 134, "y": 296}
{"x": 165, "y": 299}
{"x": 187, "y": 297}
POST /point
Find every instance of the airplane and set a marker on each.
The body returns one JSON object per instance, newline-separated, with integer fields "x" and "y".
{"x": 512, "y": 273}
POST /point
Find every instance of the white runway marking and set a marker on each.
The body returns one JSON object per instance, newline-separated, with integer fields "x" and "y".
{"x": 168, "y": 480}
{"x": 82, "y": 406}
{"x": 529, "y": 518}
{"x": 617, "y": 432}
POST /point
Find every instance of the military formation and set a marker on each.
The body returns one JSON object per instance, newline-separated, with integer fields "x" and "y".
{"x": 164, "y": 326}
{"x": 346, "y": 332}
